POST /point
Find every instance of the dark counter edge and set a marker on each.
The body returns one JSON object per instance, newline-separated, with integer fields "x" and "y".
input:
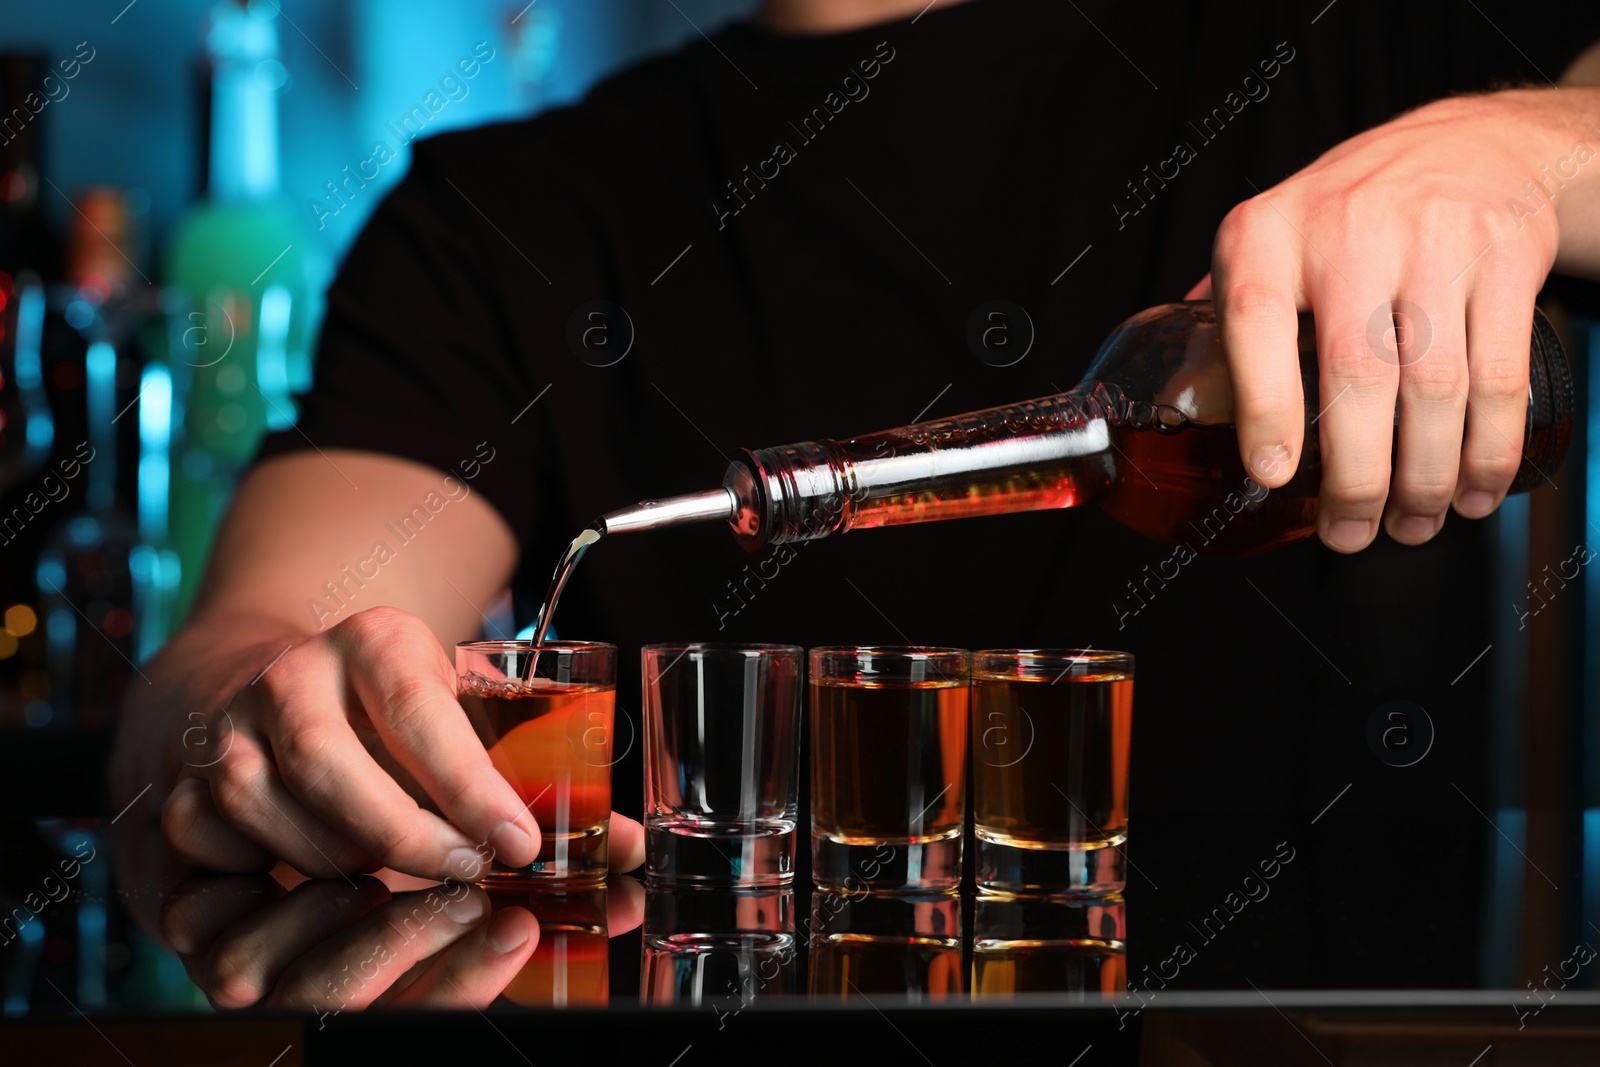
{"x": 796, "y": 1032}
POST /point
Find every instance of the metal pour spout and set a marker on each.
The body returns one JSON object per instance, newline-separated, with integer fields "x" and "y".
{"x": 707, "y": 506}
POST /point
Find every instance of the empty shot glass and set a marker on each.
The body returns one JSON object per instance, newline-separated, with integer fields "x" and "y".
{"x": 545, "y": 714}
{"x": 888, "y": 767}
{"x": 722, "y": 737}
{"x": 1050, "y": 735}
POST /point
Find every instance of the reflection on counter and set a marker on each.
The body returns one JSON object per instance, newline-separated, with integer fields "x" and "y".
{"x": 905, "y": 946}
{"x": 724, "y": 947}
{"x": 571, "y": 967}
{"x": 1076, "y": 947}
{"x": 333, "y": 946}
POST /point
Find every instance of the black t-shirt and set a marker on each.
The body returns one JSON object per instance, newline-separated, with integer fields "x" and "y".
{"x": 798, "y": 231}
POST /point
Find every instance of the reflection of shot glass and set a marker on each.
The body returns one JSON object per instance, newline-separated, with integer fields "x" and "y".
{"x": 904, "y": 944}
{"x": 544, "y": 712}
{"x": 571, "y": 967}
{"x": 1073, "y": 947}
{"x": 888, "y": 767}
{"x": 1050, "y": 733}
{"x": 722, "y": 947}
{"x": 722, "y": 729}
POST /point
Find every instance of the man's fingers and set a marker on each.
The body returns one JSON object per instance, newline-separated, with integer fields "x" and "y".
{"x": 1499, "y": 321}
{"x": 194, "y": 830}
{"x": 626, "y": 844}
{"x": 355, "y": 965}
{"x": 1358, "y": 365}
{"x": 199, "y": 909}
{"x": 1256, "y": 282}
{"x": 248, "y": 793}
{"x": 245, "y": 963}
{"x": 625, "y": 901}
{"x": 1431, "y": 345}
{"x": 1201, "y": 290}
{"x": 332, "y": 773}
{"x": 407, "y": 685}
{"x": 473, "y": 971}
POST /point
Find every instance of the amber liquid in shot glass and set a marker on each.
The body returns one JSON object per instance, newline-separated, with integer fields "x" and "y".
{"x": 550, "y": 738}
{"x": 888, "y": 767}
{"x": 1051, "y": 732}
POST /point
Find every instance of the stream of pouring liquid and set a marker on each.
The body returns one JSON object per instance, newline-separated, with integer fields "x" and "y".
{"x": 564, "y": 569}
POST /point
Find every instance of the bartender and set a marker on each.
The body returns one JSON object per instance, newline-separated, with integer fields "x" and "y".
{"x": 782, "y": 232}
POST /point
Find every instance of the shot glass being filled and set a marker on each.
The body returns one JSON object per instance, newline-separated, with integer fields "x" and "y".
{"x": 545, "y": 713}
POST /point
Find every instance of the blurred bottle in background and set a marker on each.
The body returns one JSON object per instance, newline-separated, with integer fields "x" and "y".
{"x": 29, "y": 257}
{"x": 86, "y": 586}
{"x": 242, "y": 300}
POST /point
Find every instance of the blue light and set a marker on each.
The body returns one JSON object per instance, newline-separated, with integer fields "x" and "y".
{"x": 155, "y": 408}
{"x": 155, "y": 438}
{"x": 526, "y": 633}
{"x": 62, "y": 627}
{"x": 79, "y": 314}
{"x": 272, "y": 357}
{"x": 41, "y": 430}
{"x": 100, "y": 364}
{"x": 51, "y": 574}
{"x": 83, "y": 531}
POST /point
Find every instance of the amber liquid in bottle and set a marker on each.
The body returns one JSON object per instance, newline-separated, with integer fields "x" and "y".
{"x": 1151, "y": 468}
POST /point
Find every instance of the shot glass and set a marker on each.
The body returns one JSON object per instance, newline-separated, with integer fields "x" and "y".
{"x": 722, "y": 733}
{"x": 888, "y": 767}
{"x": 545, "y": 712}
{"x": 1050, "y": 733}
{"x": 1075, "y": 948}
{"x": 720, "y": 947}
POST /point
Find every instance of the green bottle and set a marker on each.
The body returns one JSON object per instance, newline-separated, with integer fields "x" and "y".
{"x": 242, "y": 291}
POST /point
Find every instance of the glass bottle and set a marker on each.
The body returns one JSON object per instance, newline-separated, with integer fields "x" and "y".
{"x": 240, "y": 270}
{"x": 87, "y": 589}
{"x": 1148, "y": 437}
{"x": 29, "y": 257}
